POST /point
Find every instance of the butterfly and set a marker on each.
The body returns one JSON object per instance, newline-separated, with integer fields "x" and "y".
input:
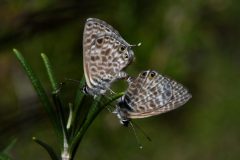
{"x": 105, "y": 55}
{"x": 150, "y": 94}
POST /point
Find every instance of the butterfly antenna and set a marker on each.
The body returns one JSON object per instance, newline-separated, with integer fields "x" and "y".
{"x": 135, "y": 134}
{"x": 72, "y": 80}
{"x": 143, "y": 132}
{"x": 135, "y": 45}
{"x": 139, "y": 44}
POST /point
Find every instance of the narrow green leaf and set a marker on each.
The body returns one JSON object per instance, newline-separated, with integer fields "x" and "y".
{"x": 38, "y": 88}
{"x": 69, "y": 121}
{"x": 10, "y": 146}
{"x": 95, "y": 109}
{"x": 77, "y": 106}
{"x": 4, "y": 156}
{"x": 56, "y": 99}
{"x": 79, "y": 95}
{"x": 49, "y": 149}
{"x": 112, "y": 99}
{"x": 78, "y": 137}
{"x": 50, "y": 73}
{"x": 60, "y": 114}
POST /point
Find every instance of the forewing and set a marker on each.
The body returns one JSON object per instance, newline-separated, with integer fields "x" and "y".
{"x": 106, "y": 60}
{"x": 93, "y": 29}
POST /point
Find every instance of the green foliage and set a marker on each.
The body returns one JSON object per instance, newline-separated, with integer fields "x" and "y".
{"x": 48, "y": 148}
{"x": 38, "y": 88}
{"x": 4, "y": 155}
{"x": 69, "y": 129}
{"x": 193, "y": 42}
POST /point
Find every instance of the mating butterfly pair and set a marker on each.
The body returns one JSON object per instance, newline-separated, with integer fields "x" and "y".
{"x": 105, "y": 55}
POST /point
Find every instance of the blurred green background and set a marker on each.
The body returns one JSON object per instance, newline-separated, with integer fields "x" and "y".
{"x": 194, "y": 42}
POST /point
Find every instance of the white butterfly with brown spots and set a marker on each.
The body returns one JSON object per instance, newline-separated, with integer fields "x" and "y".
{"x": 150, "y": 94}
{"x": 105, "y": 55}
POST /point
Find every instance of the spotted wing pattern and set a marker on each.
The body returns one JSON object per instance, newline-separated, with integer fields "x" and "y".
{"x": 105, "y": 55}
{"x": 151, "y": 94}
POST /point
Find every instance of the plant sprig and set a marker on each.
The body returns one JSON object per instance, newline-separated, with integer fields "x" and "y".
{"x": 68, "y": 129}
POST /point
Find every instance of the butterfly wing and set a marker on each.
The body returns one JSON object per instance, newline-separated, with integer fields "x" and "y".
{"x": 107, "y": 60}
{"x": 93, "y": 28}
{"x": 106, "y": 53}
{"x": 157, "y": 94}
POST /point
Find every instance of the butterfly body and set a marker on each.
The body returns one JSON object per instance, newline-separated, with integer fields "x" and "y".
{"x": 105, "y": 56}
{"x": 150, "y": 94}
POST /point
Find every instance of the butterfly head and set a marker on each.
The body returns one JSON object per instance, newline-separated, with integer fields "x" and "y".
{"x": 131, "y": 52}
{"x": 122, "y": 111}
{"x": 122, "y": 115}
{"x": 127, "y": 54}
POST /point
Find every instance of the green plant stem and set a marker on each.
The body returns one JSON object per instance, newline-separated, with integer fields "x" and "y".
{"x": 60, "y": 113}
{"x": 70, "y": 138}
{"x": 79, "y": 95}
{"x": 10, "y": 146}
{"x": 49, "y": 70}
{"x": 77, "y": 106}
{"x": 95, "y": 109}
{"x": 39, "y": 89}
{"x": 58, "y": 104}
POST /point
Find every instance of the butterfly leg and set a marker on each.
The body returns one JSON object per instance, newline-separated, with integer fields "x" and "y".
{"x": 125, "y": 76}
{"x": 122, "y": 75}
{"x": 111, "y": 91}
{"x": 130, "y": 79}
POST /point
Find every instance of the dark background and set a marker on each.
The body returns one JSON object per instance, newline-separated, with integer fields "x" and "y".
{"x": 194, "y": 42}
